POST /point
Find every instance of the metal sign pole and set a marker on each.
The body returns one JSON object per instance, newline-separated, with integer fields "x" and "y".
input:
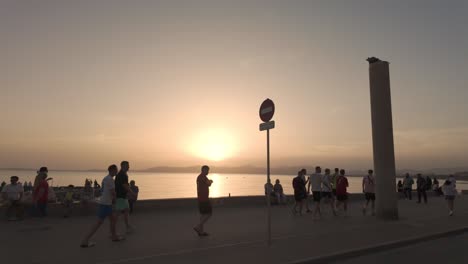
{"x": 268, "y": 188}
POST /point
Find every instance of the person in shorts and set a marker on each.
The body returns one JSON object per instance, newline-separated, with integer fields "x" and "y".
{"x": 341, "y": 191}
{"x": 450, "y": 191}
{"x": 105, "y": 210}
{"x": 68, "y": 201}
{"x": 315, "y": 185}
{"x": 122, "y": 191}
{"x": 368, "y": 188}
{"x": 299, "y": 193}
{"x": 327, "y": 190}
{"x": 204, "y": 205}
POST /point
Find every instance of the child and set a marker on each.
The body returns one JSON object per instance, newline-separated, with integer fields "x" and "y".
{"x": 68, "y": 201}
{"x": 134, "y": 197}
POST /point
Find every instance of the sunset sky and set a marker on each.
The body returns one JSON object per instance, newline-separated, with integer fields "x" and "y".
{"x": 178, "y": 83}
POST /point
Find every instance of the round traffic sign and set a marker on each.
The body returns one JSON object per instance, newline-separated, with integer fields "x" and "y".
{"x": 267, "y": 110}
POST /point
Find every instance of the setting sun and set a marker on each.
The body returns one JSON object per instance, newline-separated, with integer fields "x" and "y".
{"x": 213, "y": 145}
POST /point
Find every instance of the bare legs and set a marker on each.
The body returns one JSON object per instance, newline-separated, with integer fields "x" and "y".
{"x": 96, "y": 226}
{"x": 345, "y": 205}
{"x": 200, "y": 228}
{"x": 300, "y": 204}
{"x": 366, "y": 204}
{"x": 450, "y": 206}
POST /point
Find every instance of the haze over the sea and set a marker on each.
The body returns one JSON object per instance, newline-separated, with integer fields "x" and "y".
{"x": 178, "y": 83}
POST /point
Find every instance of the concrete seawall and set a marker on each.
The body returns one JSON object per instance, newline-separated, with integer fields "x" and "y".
{"x": 165, "y": 205}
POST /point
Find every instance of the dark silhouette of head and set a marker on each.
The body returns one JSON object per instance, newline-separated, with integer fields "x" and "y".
{"x": 327, "y": 171}
{"x": 370, "y": 172}
{"x": 337, "y": 170}
{"x": 342, "y": 172}
{"x": 303, "y": 171}
{"x": 318, "y": 169}
{"x": 124, "y": 166}
{"x": 113, "y": 170}
{"x": 205, "y": 169}
{"x": 277, "y": 181}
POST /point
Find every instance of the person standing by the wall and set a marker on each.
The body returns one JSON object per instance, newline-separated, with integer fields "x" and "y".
{"x": 204, "y": 205}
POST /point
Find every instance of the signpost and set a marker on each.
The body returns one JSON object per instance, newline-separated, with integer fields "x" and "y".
{"x": 266, "y": 112}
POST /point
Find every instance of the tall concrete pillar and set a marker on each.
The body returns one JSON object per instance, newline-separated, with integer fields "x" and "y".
{"x": 382, "y": 139}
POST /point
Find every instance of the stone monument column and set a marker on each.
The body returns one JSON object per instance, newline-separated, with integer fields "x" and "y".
{"x": 382, "y": 139}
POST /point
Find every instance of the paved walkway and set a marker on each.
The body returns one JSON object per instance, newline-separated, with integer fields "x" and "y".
{"x": 238, "y": 235}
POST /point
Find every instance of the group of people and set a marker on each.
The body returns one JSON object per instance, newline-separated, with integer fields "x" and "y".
{"x": 424, "y": 184}
{"x": 114, "y": 202}
{"x": 330, "y": 188}
{"x": 13, "y": 196}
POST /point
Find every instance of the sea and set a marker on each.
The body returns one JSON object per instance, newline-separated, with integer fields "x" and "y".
{"x": 153, "y": 185}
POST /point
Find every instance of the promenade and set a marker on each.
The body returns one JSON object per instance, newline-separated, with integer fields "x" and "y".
{"x": 238, "y": 235}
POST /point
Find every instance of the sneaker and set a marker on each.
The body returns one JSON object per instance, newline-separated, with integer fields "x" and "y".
{"x": 451, "y": 213}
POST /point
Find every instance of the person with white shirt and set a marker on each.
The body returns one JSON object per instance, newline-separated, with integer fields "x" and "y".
{"x": 105, "y": 210}
{"x": 327, "y": 189}
{"x": 315, "y": 184}
{"x": 13, "y": 193}
{"x": 450, "y": 191}
{"x": 368, "y": 188}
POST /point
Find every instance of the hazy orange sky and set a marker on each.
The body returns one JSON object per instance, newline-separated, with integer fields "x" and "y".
{"x": 89, "y": 83}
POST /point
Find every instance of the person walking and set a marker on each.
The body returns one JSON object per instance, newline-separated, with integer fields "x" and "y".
{"x": 122, "y": 190}
{"x": 204, "y": 205}
{"x": 300, "y": 193}
{"x": 327, "y": 190}
{"x": 13, "y": 194}
{"x": 106, "y": 202}
{"x": 368, "y": 188}
{"x": 408, "y": 186}
{"x": 450, "y": 191}
{"x": 315, "y": 185}
{"x": 421, "y": 186}
{"x": 305, "y": 182}
{"x": 341, "y": 191}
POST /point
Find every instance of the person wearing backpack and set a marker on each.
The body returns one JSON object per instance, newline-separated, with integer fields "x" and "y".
{"x": 368, "y": 188}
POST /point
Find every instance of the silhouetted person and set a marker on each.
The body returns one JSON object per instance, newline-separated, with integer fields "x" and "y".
{"x": 41, "y": 191}
{"x": 400, "y": 186}
{"x": 105, "y": 209}
{"x": 300, "y": 193}
{"x": 96, "y": 185}
{"x": 133, "y": 198}
{"x": 327, "y": 190}
{"x": 341, "y": 191}
{"x": 428, "y": 183}
{"x": 368, "y": 188}
{"x": 204, "y": 205}
{"x": 13, "y": 193}
{"x": 450, "y": 191}
{"x": 421, "y": 188}
{"x": 279, "y": 193}
{"x": 408, "y": 186}
{"x": 269, "y": 194}
{"x": 305, "y": 181}
{"x": 315, "y": 185}
{"x": 122, "y": 190}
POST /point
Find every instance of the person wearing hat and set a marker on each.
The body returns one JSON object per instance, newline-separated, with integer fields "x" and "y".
{"x": 13, "y": 193}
